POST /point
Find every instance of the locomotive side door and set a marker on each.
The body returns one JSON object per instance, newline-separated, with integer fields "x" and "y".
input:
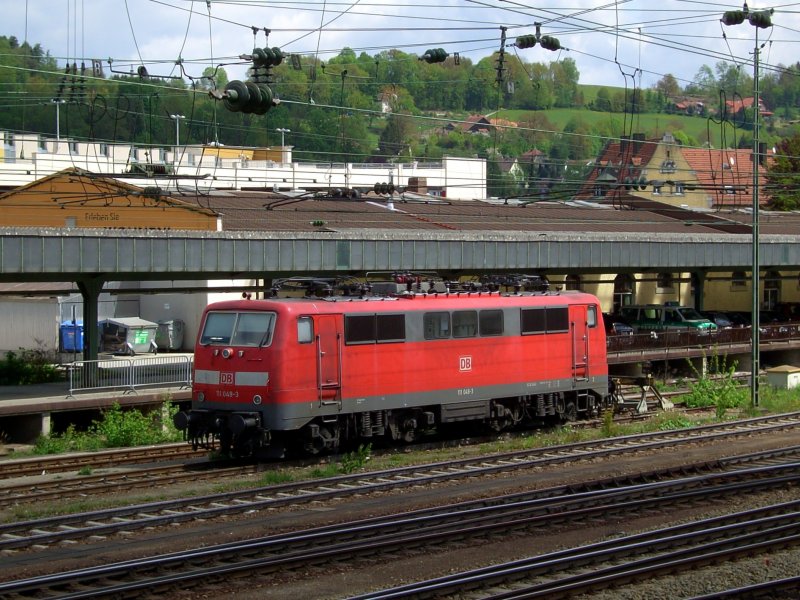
{"x": 580, "y": 342}
{"x": 329, "y": 367}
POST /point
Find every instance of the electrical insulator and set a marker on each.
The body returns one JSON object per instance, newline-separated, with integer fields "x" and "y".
{"x": 642, "y": 183}
{"x": 549, "y": 43}
{"x": 267, "y": 57}
{"x": 383, "y": 188}
{"x": 733, "y": 17}
{"x": 760, "y": 19}
{"x": 248, "y": 97}
{"x": 526, "y": 41}
{"x": 434, "y": 55}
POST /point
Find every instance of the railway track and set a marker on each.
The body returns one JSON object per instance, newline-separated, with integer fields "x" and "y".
{"x": 38, "y": 533}
{"x": 38, "y": 465}
{"x": 78, "y": 478}
{"x": 626, "y": 560}
{"x": 418, "y": 531}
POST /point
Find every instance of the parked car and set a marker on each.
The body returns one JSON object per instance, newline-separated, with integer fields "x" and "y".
{"x": 720, "y": 319}
{"x": 615, "y": 325}
{"x": 657, "y": 317}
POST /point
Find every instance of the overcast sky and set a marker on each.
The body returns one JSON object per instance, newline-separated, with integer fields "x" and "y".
{"x": 612, "y": 43}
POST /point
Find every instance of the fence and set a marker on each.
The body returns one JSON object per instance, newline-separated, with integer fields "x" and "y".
{"x": 688, "y": 338}
{"x": 129, "y": 373}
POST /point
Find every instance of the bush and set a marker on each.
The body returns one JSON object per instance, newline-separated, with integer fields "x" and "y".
{"x": 722, "y": 391}
{"x": 28, "y": 367}
{"x": 119, "y": 429}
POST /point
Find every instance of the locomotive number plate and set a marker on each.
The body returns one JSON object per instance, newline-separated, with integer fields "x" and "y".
{"x": 464, "y": 363}
{"x": 226, "y": 378}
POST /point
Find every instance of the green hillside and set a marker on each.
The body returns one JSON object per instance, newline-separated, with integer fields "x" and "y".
{"x": 617, "y": 124}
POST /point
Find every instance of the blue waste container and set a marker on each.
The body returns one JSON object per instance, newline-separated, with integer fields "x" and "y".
{"x": 71, "y": 337}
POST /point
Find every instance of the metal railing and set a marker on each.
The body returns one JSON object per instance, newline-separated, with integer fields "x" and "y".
{"x": 129, "y": 373}
{"x": 687, "y": 338}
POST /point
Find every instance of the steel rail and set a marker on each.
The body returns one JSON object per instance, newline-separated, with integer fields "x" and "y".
{"x": 390, "y": 534}
{"x": 735, "y": 533}
{"x": 39, "y": 532}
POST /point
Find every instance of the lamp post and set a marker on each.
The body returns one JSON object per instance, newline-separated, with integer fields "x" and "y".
{"x": 759, "y": 20}
{"x": 58, "y": 102}
{"x": 283, "y": 132}
{"x": 177, "y": 119}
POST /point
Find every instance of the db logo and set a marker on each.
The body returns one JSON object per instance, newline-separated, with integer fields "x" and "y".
{"x": 465, "y": 363}
{"x": 226, "y": 378}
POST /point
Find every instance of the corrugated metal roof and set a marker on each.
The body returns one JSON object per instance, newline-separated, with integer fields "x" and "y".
{"x": 269, "y": 211}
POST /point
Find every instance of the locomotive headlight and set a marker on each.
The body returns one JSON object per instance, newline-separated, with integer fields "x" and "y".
{"x": 257, "y": 399}
{"x": 201, "y": 397}
{"x": 227, "y": 353}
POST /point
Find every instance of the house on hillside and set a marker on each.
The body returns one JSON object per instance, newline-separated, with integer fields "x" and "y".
{"x": 735, "y": 109}
{"x": 687, "y": 106}
{"x": 662, "y": 169}
{"x": 472, "y": 124}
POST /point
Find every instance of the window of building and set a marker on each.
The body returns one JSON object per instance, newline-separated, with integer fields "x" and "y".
{"x": 104, "y": 151}
{"x": 738, "y": 281}
{"x": 572, "y": 282}
{"x": 73, "y": 147}
{"x": 624, "y": 288}
{"x": 665, "y": 283}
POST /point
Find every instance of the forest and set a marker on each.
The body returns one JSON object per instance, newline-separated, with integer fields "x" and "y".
{"x": 391, "y": 106}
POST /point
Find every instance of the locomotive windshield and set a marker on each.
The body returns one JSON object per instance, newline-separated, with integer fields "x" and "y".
{"x": 238, "y": 328}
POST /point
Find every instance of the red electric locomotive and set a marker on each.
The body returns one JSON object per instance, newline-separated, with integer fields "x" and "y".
{"x": 318, "y": 373}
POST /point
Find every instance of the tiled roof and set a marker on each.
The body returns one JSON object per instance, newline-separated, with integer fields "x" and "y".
{"x": 619, "y": 159}
{"x": 726, "y": 175}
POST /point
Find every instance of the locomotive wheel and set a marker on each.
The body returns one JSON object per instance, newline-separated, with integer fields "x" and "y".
{"x": 570, "y": 413}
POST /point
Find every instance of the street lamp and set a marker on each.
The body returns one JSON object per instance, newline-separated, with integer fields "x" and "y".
{"x": 759, "y": 20}
{"x": 58, "y": 102}
{"x": 283, "y": 132}
{"x": 177, "y": 131}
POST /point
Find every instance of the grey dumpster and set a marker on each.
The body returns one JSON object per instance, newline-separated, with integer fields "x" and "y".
{"x": 170, "y": 334}
{"x": 127, "y": 335}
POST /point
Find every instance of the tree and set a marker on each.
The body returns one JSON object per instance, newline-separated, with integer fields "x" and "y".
{"x": 564, "y": 74}
{"x": 395, "y": 136}
{"x": 704, "y": 82}
{"x": 668, "y": 86}
{"x": 784, "y": 175}
{"x": 213, "y": 78}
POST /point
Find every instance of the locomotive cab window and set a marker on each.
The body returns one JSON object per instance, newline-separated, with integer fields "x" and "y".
{"x": 305, "y": 330}
{"x": 436, "y": 325}
{"x": 238, "y": 329}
